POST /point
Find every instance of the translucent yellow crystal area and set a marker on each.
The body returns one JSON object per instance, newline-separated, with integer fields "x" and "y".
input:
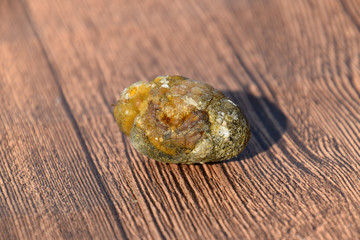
{"x": 132, "y": 102}
{"x": 170, "y": 111}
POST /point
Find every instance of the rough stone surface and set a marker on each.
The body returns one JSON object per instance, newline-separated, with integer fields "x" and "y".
{"x": 177, "y": 120}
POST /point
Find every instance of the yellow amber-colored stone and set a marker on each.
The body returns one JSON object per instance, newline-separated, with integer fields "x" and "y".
{"x": 177, "y": 120}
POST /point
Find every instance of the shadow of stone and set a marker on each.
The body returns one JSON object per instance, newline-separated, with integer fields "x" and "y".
{"x": 268, "y": 123}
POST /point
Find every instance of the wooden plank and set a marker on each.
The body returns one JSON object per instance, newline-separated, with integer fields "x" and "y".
{"x": 48, "y": 187}
{"x": 67, "y": 171}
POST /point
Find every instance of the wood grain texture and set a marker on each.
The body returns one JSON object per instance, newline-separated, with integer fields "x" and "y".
{"x": 66, "y": 171}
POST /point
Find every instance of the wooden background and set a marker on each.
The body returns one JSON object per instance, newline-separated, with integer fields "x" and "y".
{"x": 66, "y": 171}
